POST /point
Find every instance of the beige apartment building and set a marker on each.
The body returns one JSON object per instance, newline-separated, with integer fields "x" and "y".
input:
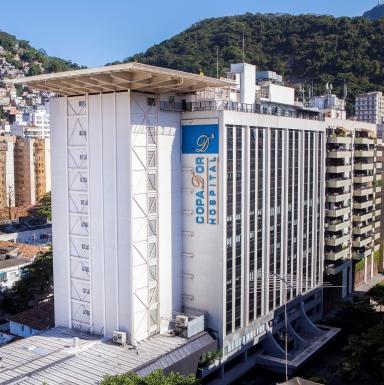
{"x": 353, "y": 207}
{"x": 32, "y": 170}
{"x": 7, "y": 179}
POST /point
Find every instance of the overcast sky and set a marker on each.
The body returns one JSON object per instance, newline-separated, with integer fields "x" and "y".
{"x": 94, "y": 32}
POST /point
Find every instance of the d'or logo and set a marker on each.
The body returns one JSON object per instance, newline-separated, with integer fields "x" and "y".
{"x": 197, "y": 181}
{"x": 203, "y": 142}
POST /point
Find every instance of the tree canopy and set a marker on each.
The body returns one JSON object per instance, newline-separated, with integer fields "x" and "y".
{"x": 44, "y": 208}
{"x": 35, "y": 285}
{"x": 305, "y": 49}
{"x": 155, "y": 378}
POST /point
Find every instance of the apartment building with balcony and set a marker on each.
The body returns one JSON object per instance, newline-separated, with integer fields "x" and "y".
{"x": 353, "y": 196}
{"x": 32, "y": 170}
{"x": 369, "y": 107}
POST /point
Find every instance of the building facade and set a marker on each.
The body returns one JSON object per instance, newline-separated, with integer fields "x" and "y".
{"x": 32, "y": 170}
{"x": 352, "y": 233}
{"x": 175, "y": 193}
{"x": 369, "y": 107}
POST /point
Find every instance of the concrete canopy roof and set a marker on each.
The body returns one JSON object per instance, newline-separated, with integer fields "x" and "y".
{"x": 120, "y": 77}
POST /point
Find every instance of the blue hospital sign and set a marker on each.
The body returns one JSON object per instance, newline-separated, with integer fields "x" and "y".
{"x": 200, "y": 139}
{"x": 202, "y": 142}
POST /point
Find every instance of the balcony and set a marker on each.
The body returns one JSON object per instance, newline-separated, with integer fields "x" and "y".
{"x": 334, "y": 183}
{"x": 364, "y": 166}
{"x": 340, "y": 153}
{"x": 362, "y": 205}
{"x": 378, "y": 201}
{"x": 358, "y": 256}
{"x": 338, "y": 169}
{"x": 364, "y": 141}
{"x": 362, "y": 230}
{"x": 338, "y": 212}
{"x": 379, "y": 165}
{"x": 377, "y": 247}
{"x": 377, "y": 213}
{"x": 340, "y": 140}
{"x": 362, "y": 217}
{"x": 364, "y": 154}
{"x": 377, "y": 224}
{"x": 362, "y": 242}
{"x": 334, "y": 256}
{"x": 378, "y": 177}
{"x": 338, "y": 197}
{"x": 376, "y": 236}
{"x": 378, "y": 189}
{"x": 336, "y": 241}
{"x": 337, "y": 225}
{"x": 362, "y": 192}
{"x": 379, "y": 154}
{"x": 363, "y": 178}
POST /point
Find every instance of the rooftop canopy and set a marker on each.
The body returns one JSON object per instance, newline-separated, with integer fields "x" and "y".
{"x": 120, "y": 77}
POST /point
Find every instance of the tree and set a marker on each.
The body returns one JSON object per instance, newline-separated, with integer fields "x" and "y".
{"x": 376, "y": 293}
{"x": 155, "y": 378}
{"x": 366, "y": 356}
{"x": 44, "y": 208}
{"x": 348, "y": 314}
{"x": 35, "y": 285}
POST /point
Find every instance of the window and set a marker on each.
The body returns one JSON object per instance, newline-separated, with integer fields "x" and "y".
{"x": 151, "y": 159}
{"x": 151, "y": 182}
{"x": 82, "y": 103}
{"x": 153, "y": 317}
{"x": 151, "y": 101}
{"x": 152, "y": 250}
{"x": 83, "y": 156}
{"x": 85, "y": 246}
{"x": 84, "y": 202}
{"x": 83, "y": 179}
{"x": 152, "y": 209}
{"x": 152, "y": 273}
{"x": 152, "y": 227}
{"x": 151, "y": 135}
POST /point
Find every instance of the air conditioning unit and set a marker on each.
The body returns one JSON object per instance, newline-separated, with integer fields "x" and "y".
{"x": 119, "y": 337}
{"x": 182, "y": 321}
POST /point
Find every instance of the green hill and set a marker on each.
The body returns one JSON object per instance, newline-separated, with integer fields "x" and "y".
{"x": 305, "y": 48}
{"x": 375, "y": 13}
{"x": 29, "y": 60}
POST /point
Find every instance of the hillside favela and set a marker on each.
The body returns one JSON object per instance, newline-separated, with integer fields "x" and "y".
{"x": 206, "y": 211}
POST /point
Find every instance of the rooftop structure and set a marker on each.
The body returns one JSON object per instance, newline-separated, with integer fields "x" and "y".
{"x": 62, "y": 356}
{"x": 121, "y": 77}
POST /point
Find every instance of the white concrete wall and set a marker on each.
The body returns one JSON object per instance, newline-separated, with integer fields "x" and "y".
{"x": 102, "y": 270}
{"x": 247, "y": 81}
{"x": 203, "y": 244}
{"x": 281, "y": 94}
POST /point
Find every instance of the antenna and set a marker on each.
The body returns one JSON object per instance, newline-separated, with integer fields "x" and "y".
{"x": 217, "y": 62}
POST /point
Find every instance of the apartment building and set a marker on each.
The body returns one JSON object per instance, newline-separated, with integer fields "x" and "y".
{"x": 352, "y": 232}
{"x": 175, "y": 193}
{"x": 7, "y": 180}
{"x": 369, "y": 107}
{"x": 31, "y": 170}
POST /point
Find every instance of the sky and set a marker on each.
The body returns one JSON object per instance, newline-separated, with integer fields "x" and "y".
{"x": 96, "y": 32}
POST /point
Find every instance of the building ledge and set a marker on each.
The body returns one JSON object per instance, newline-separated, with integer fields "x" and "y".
{"x": 306, "y": 343}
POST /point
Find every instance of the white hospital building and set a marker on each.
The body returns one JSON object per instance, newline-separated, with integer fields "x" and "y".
{"x": 178, "y": 194}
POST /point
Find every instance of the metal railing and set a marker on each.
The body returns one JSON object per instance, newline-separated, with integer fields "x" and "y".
{"x": 219, "y": 105}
